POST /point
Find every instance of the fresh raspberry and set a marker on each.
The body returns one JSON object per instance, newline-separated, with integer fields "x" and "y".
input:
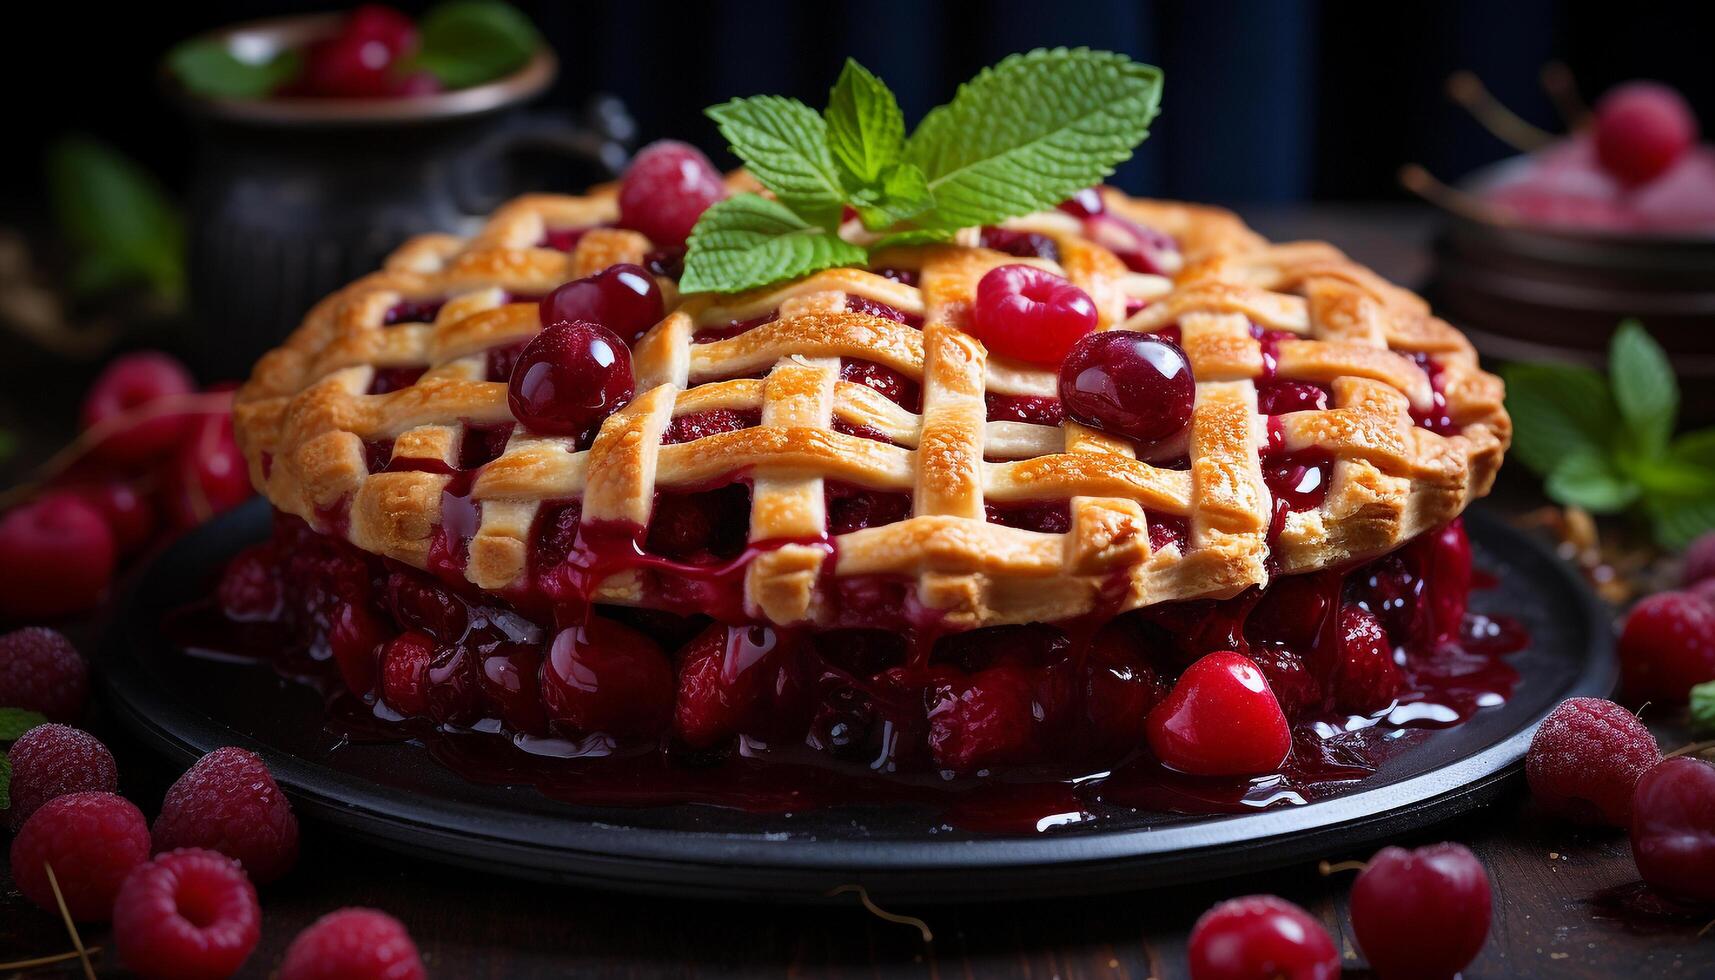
{"x": 92, "y": 840}
{"x": 666, "y": 189}
{"x": 189, "y": 914}
{"x": 228, "y": 802}
{"x": 1699, "y": 561}
{"x": 1585, "y": 760}
{"x": 1642, "y": 130}
{"x": 985, "y": 720}
{"x": 1365, "y": 679}
{"x": 250, "y": 590}
{"x": 49, "y": 761}
{"x": 56, "y": 557}
{"x": 353, "y": 944}
{"x": 405, "y": 672}
{"x": 1667, "y": 646}
{"x": 41, "y": 671}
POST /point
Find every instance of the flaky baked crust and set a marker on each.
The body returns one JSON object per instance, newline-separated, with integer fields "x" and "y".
{"x": 304, "y": 418}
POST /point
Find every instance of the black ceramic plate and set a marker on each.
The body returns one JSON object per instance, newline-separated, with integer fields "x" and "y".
{"x": 396, "y": 796}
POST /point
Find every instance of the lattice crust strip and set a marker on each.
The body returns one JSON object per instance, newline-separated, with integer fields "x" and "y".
{"x": 306, "y": 421}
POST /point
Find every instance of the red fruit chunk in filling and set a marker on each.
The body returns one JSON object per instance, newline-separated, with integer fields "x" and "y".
{"x": 1036, "y": 409}
{"x": 405, "y": 673}
{"x": 49, "y": 761}
{"x": 1022, "y": 244}
{"x": 852, "y": 508}
{"x": 896, "y": 387}
{"x": 1220, "y": 719}
{"x": 1667, "y": 646}
{"x": 1030, "y": 314}
{"x": 228, "y": 802}
{"x": 604, "y": 677}
{"x": 509, "y": 678}
{"x": 91, "y": 840}
{"x": 1261, "y": 937}
{"x": 250, "y": 590}
{"x": 700, "y": 526}
{"x": 1134, "y": 385}
{"x": 1047, "y": 518}
{"x": 1673, "y": 829}
{"x": 187, "y": 915}
{"x": 41, "y": 671}
{"x": 1283, "y": 397}
{"x": 987, "y": 719}
{"x": 56, "y": 557}
{"x": 1120, "y": 688}
{"x": 713, "y": 422}
{"x": 1642, "y": 130}
{"x": 666, "y": 189}
{"x": 1365, "y": 679}
{"x": 569, "y": 378}
{"x": 127, "y": 389}
{"x": 1585, "y": 760}
{"x": 419, "y": 603}
{"x": 355, "y": 635}
{"x": 723, "y": 675}
{"x": 1294, "y": 686}
{"x": 624, "y": 298}
{"x": 1422, "y": 914}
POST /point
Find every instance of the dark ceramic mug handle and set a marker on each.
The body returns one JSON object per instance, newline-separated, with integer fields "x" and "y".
{"x": 597, "y": 144}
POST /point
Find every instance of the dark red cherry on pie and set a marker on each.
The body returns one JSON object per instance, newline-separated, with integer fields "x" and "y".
{"x": 1220, "y": 719}
{"x": 1135, "y": 385}
{"x": 1030, "y": 314}
{"x": 623, "y": 298}
{"x": 569, "y": 378}
{"x": 604, "y": 677}
{"x": 1422, "y": 914}
{"x": 666, "y": 189}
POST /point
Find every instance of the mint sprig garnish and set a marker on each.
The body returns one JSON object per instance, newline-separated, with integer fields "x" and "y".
{"x": 1020, "y": 137}
{"x": 1703, "y": 708}
{"x": 1607, "y": 444}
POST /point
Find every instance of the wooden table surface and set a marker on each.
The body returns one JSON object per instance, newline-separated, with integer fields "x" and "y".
{"x": 1565, "y": 900}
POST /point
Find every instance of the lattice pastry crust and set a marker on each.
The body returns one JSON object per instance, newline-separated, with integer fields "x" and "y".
{"x": 304, "y": 418}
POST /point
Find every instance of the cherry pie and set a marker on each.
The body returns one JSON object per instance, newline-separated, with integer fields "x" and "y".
{"x": 826, "y": 504}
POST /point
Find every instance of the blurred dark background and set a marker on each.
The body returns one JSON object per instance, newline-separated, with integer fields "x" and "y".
{"x": 1265, "y": 101}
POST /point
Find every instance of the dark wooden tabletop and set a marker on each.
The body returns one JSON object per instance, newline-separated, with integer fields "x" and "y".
{"x": 1566, "y": 903}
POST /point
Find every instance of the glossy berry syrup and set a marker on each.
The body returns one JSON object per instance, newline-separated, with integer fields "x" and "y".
{"x": 1007, "y": 729}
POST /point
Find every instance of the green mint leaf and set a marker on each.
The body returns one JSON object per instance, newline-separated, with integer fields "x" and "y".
{"x": 902, "y": 195}
{"x": 866, "y": 130}
{"x": 748, "y": 240}
{"x": 1029, "y": 132}
{"x": 5, "y": 782}
{"x": 1695, "y": 449}
{"x": 209, "y": 67}
{"x": 1678, "y": 520}
{"x": 915, "y": 236}
{"x": 117, "y": 221}
{"x": 468, "y": 42}
{"x": 1703, "y": 708}
{"x": 1589, "y": 480}
{"x": 1644, "y": 386}
{"x": 14, "y": 722}
{"x": 784, "y": 144}
{"x": 1558, "y": 411}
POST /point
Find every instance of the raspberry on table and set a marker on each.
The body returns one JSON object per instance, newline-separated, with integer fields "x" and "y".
{"x": 51, "y": 760}
{"x": 1667, "y": 646}
{"x": 229, "y": 802}
{"x": 40, "y": 670}
{"x": 92, "y": 840}
{"x": 1585, "y": 760}
{"x": 353, "y": 943}
{"x": 189, "y": 914}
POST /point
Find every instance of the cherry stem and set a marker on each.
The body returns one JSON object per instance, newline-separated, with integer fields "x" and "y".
{"x": 1562, "y": 89}
{"x": 31, "y": 964}
{"x": 1468, "y": 90}
{"x": 881, "y": 913}
{"x": 201, "y": 403}
{"x": 1326, "y": 869}
{"x": 1451, "y": 199}
{"x": 1695, "y": 748}
{"x": 71, "y": 927}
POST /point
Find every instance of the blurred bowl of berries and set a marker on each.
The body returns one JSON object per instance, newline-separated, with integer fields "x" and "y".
{"x": 326, "y": 140}
{"x": 1543, "y": 252}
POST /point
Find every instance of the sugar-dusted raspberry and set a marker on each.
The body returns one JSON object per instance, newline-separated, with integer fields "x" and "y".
{"x": 229, "y": 802}
{"x": 1699, "y": 561}
{"x": 189, "y": 914}
{"x": 50, "y": 761}
{"x": 1585, "y": 760}
{"x": 353, "y": 943}
{"x": 91, "y": 840}
{"x": 41, "y": 671}
{"x": 1666, "y": 647}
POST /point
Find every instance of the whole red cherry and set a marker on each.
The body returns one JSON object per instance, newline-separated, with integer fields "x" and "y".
{"x": 120, "y": 401}
{"x": 666, "y": 189}
{"x": 1642, "y": 129}
{"x": 1220, "y": 719}
{"x": 1421, "y": 914}
{"x": 1261, "y": 937}
{"x": 1673, "y": 829}
{"x": 1029, "y": 313}
{"x": 569, "y": 378}
{"x": 207, "y": 475}
{"x": 1667, "y": 646}
{"x": 1135, "y": 385}
{"x": 56, "y": 557}
{"x": 623, "y": 298}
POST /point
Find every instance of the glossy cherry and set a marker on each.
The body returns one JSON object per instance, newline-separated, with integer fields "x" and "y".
{"x": 1365, "y": 678}
{"x": 1421, "y": 914}
{"x": 1673, "y": 829}
{"x": 1220, "y": 719}
{"x": 126, "y": 390}
{"x": 666, "y": 189}
{"x": 56, "y": 557}
{"x": 207, "y": 475}
{"x": 723, "y": 674}
{"x": 1642, "y": 130}
{"x": 405, "y": 672}
{"x": 1030, "y": 314}
{"x": 1141, "y": 249}
{"x": 569, "y": 378}
{"x": 608, "y": 678}
{"x": 623, "y": 298}
{"x": 1261, "y": 937}
{"x": 1666, "y": 647}
{"x": 1134, "y": 385}
{"x": 130, "y": 513}
{"x": 378, "y": 22}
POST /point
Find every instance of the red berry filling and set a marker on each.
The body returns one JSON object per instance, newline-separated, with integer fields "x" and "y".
{"x": 701, "y": 425}
{"x": 1049, "y": 518}
{"x": 1436, "y": 418}
{"x": 1035, "y": 409}
{"x": 1023, "y": 244}
{"x": 412, "y": 311}
{"x": 869, "y": 307}
{"x": 853, "y": 508}
{"x": 389, "y": 379}
{"x": 896, "y": 387}
{"x": 561, "y": 239}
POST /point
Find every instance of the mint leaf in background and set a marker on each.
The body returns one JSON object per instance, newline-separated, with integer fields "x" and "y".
{"x": 1029, "y": 132}
{"x": 119, "y": 224}
{"x": 1558, "y": 411}
{"x": 1703, "y": 708}
{"x": 866, "y": 130}
{"x": 1644, "y": 386}
{"x": 14, "y": 722}
{"x": 209, "y": 67}
{"x": 5, "y": 782}
{"x": 784, "y": 144}
{"x": 1589, "y": 480}
{"x": 1678, "y": 520}
{"x": 1695, "y": 449}
{"x": 748, "y": 240}
{"x": 468, "y": 42}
